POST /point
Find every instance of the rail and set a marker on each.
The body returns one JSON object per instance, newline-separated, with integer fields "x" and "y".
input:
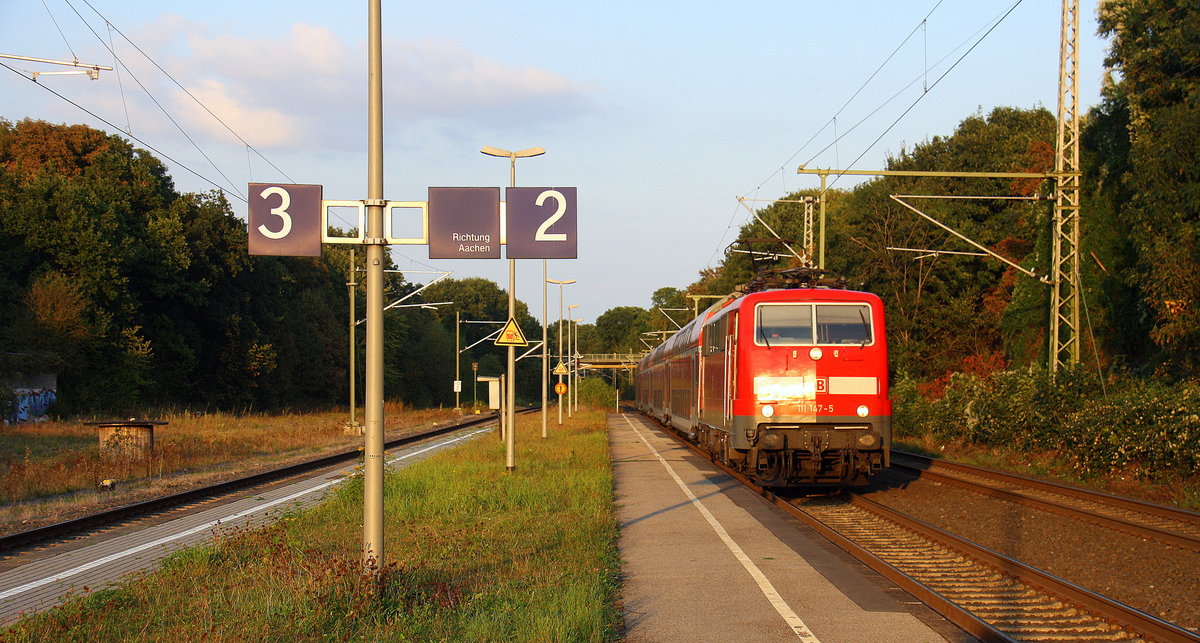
{"x": 1102, "y": 609}
{"x": 61, "y": 529}
{"x": 1176, "y": 527}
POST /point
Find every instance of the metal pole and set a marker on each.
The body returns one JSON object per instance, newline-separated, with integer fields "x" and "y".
{"x": 457, "y": 365}
{"x": 570, "y": 371}
{"x": 545, "y": 358}
{"x": 575, "y": 356}
{"x": 510, "y": 445}
{"x": 353, "y": 342}
{"x": 510, "y": 395}
{"x": 560, "y": 348}
{"x": 373, "y": 551}
{"x": 617, "y": 386}
{"x": 821, "y": 261}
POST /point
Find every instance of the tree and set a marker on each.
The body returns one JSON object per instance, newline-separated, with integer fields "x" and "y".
{"x": 144, "y": 296}
{"x": 1156, "y": 51}
{"x": 618, "y": 329}
{"x": 479, "y": 299}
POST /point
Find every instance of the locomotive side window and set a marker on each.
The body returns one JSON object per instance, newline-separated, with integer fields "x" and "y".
{"x": 793, "y": 324}
{"x": 843, "y": 324}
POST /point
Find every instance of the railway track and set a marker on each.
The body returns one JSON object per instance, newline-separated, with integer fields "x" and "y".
{"x": 989, "y": 595}
{"x": 58, "y": 531}
{"x": 1168, "y": 525}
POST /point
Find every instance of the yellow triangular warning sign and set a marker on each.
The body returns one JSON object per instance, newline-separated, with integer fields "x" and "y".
{"x": 561, "y": 369}
{"x": 511, "y": 335}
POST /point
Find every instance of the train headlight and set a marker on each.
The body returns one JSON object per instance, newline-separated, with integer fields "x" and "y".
{"x": 816, "y": 353}
{"x": 768, "y": 410}
{"x": 863, "y": 411}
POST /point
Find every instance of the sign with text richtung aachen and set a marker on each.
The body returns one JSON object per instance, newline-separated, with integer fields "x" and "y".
{"x": 464, "y": 223}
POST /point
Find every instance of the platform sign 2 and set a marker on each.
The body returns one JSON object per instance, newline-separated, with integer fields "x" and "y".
{"x": 464, "y": 223}
{"x": 542, "y": 223}
{"x": 284, "y": 220}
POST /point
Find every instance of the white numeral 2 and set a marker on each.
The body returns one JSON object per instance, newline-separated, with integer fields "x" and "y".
{"x": 542, "y": 235}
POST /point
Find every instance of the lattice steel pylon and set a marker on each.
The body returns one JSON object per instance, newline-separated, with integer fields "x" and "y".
{"x": 1065, "y": 330}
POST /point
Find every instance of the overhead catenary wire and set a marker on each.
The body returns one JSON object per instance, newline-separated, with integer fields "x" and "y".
{"x": 833, "y": 120}
{"x": 935, "y": 84}
{"x": 120, "y": 83}
{"x": 164, "y": 111}
{"x": 189, "y": 93}
{"x": 74, "y": 56}
{"x": 986, "y": 30}
{"x": 115, "y": 127}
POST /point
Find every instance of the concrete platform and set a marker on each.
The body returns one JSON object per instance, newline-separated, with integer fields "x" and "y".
{"x": 705, "y": 559}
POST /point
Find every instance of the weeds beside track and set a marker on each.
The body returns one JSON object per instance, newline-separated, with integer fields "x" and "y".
{"x": 473, "y": 554}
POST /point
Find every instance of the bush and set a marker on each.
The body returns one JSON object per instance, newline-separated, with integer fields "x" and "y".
{"x": 1137, "y": 423}
{"x": 596, "y": 393}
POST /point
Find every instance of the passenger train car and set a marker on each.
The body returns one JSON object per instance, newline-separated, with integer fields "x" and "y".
{"x": 787, "y": 384}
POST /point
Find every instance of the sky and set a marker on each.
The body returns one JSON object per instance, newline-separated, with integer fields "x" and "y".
{"x": 661, "y": 113}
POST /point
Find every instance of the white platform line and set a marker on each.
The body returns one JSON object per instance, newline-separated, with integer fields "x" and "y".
{"x": 74, "y": 571}
{"x": 764, "y": 584}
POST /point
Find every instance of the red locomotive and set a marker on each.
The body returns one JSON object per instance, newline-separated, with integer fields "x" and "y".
{"x": 786, "y": 381}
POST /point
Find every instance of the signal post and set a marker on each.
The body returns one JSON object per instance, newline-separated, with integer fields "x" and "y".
{"x": 461, "y": 223}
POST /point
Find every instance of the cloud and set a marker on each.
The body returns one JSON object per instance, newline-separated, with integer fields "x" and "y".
{"x": 258, "y": 126}
{"x": 441, "y": 79}
{"x": 308, "y": 86}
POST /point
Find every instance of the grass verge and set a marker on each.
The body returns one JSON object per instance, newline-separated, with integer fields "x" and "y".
{"x": 474, "y": 554}
{"x": 49, "y": 470}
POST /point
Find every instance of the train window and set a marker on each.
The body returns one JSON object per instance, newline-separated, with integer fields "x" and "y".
{"x": 783, "y": 325}
{"x": 714, "y": 335}
{"x": 844, "y": 324}
{"x": 793, "y": 324}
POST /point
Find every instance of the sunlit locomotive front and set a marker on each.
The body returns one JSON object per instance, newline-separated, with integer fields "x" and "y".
{"x": 787, "y": 385}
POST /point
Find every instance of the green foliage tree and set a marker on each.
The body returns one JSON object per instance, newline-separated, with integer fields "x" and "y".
{"x": 478, "y": 299}
{"x": 618, "y": 329}
{"x": 1156, "y": 52}
{"x": 142, "y": 296}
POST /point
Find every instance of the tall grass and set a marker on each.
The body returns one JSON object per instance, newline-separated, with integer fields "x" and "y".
{"x": 473, "y": 554}
{"x": 47, "y": 458}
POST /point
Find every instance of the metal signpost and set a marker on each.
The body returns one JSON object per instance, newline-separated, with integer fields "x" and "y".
{"x": 292, "y": 220}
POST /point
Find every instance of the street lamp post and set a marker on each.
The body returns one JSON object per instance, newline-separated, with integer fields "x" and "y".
{"x": 352, "y": 285}
{"x": 510, "y": 415}
{"x": 571, "y": 362}
{"x": 560, "y": 334}
{"x": 457, "y": 365}
{"x": 575, "y": 356}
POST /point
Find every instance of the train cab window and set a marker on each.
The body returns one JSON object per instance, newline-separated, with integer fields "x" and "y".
{"x": 844, "y": 324}
{"x": 793, "y": 324}
{"x": 783, "y": 325}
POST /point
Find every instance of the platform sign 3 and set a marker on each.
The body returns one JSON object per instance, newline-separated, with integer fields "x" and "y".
{"x": 541, "y": 223}
{"x": 284, "y": 220}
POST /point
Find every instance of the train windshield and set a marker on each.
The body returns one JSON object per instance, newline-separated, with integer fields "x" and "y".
{"x": 813, "y": 324}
